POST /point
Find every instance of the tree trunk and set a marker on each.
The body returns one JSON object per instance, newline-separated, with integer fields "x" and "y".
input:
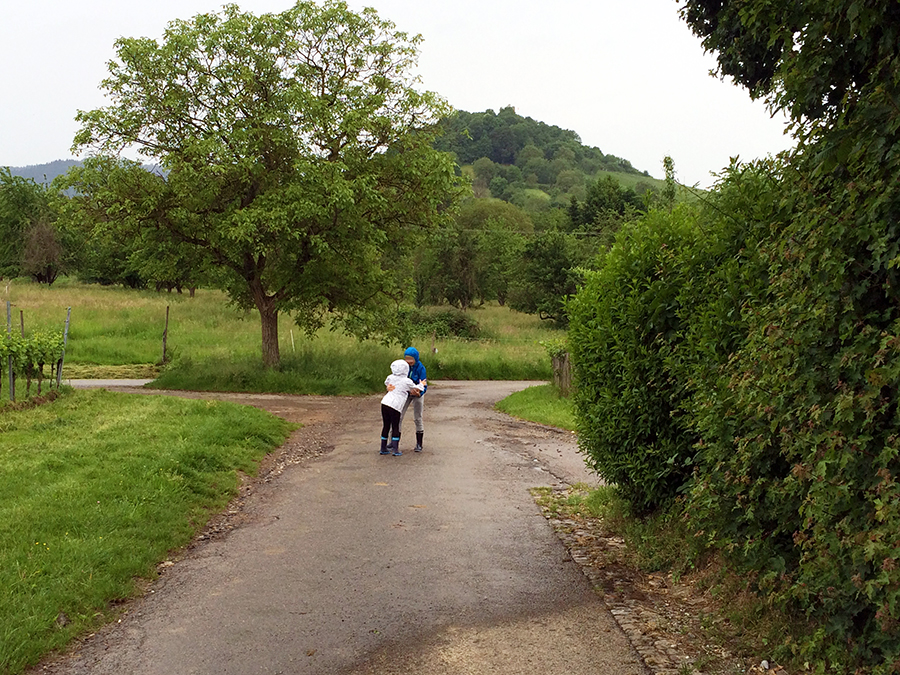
{"x": 268, "y": 315}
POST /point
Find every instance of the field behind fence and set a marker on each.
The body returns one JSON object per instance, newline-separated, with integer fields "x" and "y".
{"x": 118, "y": 333}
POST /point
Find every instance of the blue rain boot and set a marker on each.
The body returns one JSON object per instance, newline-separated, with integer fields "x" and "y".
{"x": 384, "y": 447}
{"x": 396, "y": 447}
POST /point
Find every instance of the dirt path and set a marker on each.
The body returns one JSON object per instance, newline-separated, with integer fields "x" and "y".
{"x": 339, "y": 560}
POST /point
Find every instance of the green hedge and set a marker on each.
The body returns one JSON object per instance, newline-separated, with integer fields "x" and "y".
{"x": 622, "y": 323}
{"x": 746, "y": 356}
{"x": 654, "y": 325}
{"x": 800, "y": 460}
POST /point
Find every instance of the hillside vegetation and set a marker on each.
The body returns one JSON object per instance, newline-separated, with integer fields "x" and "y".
{"x": 510, "y": 156}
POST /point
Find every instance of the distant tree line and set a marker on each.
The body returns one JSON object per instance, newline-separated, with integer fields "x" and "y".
{"x": 531, "y": 260}
{"x": 490, "y": 250}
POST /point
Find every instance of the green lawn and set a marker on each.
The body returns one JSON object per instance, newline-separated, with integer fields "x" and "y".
{"x": 542, "y": 404}
{"x": 96, "y": 489}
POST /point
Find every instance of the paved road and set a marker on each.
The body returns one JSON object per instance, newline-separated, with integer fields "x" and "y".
{"x": 356, "y": 563}
{"x": 107, "y": 384}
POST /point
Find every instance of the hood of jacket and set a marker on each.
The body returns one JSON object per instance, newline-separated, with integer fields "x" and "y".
{"x": 413, "y": 352}
{"x": 400, "y": 368}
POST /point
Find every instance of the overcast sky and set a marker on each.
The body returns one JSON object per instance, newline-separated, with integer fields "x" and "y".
{"x": 626, "y": 75}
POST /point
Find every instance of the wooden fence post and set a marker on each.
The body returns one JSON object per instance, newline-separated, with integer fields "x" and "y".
{"x": 562, "y": 373}
{"x": 165, "y": 335}
{"x": 12, "y": 375}
{"x": 27, "y": 368}
{"x": 62, "y": 356}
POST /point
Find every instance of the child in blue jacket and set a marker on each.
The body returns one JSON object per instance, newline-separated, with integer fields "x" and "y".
{"x": 416, "y": 397}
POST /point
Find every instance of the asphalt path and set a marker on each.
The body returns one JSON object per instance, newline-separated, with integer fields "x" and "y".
{"x": 436, "y": 562}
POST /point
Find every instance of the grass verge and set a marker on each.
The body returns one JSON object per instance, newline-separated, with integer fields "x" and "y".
{"x": 95, "y": 489}
{"x": 725, "y": 609}
{"x": 316, "y": 368}
{"x": 542, "y": 404}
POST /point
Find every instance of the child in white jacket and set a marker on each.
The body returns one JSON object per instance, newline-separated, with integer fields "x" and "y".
{"x": 392, "y": 405}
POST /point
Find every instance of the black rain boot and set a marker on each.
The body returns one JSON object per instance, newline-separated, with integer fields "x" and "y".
{"x": 384, "y": 446}
{"x": 419, "y": 435}
{"x": 396, "y": 446}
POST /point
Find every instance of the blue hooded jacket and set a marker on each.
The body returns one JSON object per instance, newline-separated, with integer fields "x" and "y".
{"x": 417, "y": 370}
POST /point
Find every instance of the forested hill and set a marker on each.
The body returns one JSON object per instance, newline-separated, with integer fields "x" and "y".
{"x": 43, "y": 173}
{"x": 532, "y": 164}
{"x": 502, "y": 137}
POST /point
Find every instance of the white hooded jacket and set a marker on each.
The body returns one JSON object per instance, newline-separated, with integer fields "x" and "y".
{"x": 396, "y": 399}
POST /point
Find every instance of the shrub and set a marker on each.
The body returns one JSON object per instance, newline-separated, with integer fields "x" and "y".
{"x": 442, "y": 323}
{"x": 654, "y": 326}
{"x": 748, "y": 354}
{"x": 627, "y": 402}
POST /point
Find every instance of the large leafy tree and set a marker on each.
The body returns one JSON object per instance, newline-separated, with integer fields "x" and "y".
{"x": 24, "y": 204}
{"x": 502, "y": 230}
{"x": 606, "y": 203}
{"x": 473, "y": 261}
{"x": 817, "y": 59}
{"x": 296, "y": 153}
{"x": 122, "y": 207}
{"x": 546, "y": 276}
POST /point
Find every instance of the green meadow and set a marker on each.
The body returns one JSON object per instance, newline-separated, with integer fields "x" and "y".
{"x": 117, "y": 332}
{"x": 542, "y": 404}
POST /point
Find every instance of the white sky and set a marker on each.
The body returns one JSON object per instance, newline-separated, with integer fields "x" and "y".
{"x": 626, "y": 75}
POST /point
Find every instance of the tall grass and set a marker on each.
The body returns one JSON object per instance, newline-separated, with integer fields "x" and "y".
{"x": 331, "y": 367}
{"x": 335, "y": 364}
{"x": 215, "y": 346}
{"x": 95, "y": 489}
{"x": 118, "y": 326}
